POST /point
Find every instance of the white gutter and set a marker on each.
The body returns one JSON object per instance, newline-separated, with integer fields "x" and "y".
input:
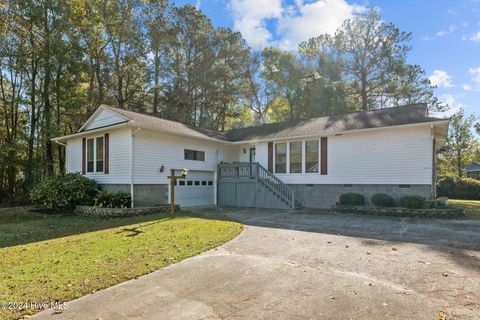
{"x": 131, "y": 123}
{"x": 85, "y": 133}
{"x": 132, "y": 195}
{"x": 60, "y": 143}
{"x": 336, "y": 133}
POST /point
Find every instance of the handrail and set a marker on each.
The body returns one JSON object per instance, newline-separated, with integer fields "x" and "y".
{"x": 254, "y": 170}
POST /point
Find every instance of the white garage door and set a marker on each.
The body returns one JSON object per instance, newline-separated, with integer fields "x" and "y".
{"x": 196, "y": 190}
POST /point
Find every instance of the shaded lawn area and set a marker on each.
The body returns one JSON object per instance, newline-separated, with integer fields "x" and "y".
{"x": 472, "y": 208}
{"x": 47, "y": 258}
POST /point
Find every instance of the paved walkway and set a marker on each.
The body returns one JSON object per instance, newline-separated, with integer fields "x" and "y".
{"x": 306, "y": 265}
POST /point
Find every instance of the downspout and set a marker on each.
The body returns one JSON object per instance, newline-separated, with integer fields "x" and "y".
{"x": 132, "y": 195}
{"x": 434, "y": 163}
{"x": 66, "y": 153}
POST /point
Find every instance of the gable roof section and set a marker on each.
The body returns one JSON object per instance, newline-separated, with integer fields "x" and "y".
{"x": 404, "y": 115}
{"x": 102, "y": 117}
{"x": 388, "y": 117}
{"x": 158, "y": 124}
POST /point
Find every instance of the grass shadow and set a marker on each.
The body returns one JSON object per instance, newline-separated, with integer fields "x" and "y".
{"x": 26, "y": 227}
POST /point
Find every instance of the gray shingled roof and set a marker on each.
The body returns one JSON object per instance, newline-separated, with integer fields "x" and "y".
{"x": 168, "y": 126}
{"x": 409, "y": 114}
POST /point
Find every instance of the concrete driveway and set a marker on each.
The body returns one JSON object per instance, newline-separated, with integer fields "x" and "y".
{"x": 309, "y": 265}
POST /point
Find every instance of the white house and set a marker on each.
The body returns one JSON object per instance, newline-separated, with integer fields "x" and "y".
{"x": 306, "y": 162}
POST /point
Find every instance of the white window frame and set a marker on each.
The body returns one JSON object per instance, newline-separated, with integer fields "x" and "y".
{"x": 197, "y": 150}
{"x": 95, "y": 154}
{"x": 302, "y": 161}
{"x": 304, "y": 150}
{"x": 319, "y": 156}
{"x": 287, "y": 157}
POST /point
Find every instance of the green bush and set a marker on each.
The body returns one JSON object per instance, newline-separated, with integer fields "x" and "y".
{"x": 412, "y": 202}
{"x": 109, "y": 199}
{"x": 352, "y": 199}
{"x": 456, "y": 188}
{"x": 439, "y": 203}
{"x": 64, "y": 192}
{"x": 383, "y": 200}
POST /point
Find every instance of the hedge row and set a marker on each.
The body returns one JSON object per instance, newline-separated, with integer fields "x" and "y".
{"x": 459, "y": 188}
{"x": 383, "y": 200}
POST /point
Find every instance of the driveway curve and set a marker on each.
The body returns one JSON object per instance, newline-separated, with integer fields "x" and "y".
{"x": 309, "y": 265}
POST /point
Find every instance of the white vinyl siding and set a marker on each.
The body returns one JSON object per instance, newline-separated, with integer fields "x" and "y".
{"x": 119, "y": 152}
{"x": 105, "y": 118}
{"x": 152, "y": 150}
{"x": 383, "y": 156}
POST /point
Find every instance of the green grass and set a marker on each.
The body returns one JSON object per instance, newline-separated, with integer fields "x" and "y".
{"x": 45, "y": 258}
{"x": 472, "y": 208}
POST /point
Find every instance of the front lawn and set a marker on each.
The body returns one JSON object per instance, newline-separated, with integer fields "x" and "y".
{"x": 472, "y": 208}
{"x": 47, "y": 258}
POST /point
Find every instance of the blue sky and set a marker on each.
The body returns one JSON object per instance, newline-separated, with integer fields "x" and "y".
{"x": 446, "y": 33}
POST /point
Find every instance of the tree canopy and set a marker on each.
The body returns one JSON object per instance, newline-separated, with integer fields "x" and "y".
{"x": 61, "y": 59}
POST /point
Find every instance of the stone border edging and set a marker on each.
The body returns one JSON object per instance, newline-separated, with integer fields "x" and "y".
{"x": 450, "y": 213}
{"x": 91, "y": 211}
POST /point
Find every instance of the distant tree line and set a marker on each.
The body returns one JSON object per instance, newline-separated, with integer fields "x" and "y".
{"x": 61, "y": 59}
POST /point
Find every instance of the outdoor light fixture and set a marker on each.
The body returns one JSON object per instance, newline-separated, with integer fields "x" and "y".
{"x": 162, "y": 168}
{"x": 244, "y": 150}
{"x": 173, "y": 182}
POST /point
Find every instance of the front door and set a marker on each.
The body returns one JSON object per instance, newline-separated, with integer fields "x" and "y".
{"x": 252, "y": 155}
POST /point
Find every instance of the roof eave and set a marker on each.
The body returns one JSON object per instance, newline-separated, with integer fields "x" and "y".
{"x": 84, "y": 133}
{"x": 334, "y": 133}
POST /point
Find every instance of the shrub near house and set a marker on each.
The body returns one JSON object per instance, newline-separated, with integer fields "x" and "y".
{"x": 64, "y": 192}
{"x": 383, "y": 200}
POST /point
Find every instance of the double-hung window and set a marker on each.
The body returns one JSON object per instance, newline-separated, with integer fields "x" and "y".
{"x": 281, "y": 158}
{"x": 296, "y": 157}
{"x": 311, "y": 156}
{"x": 95, "y": 154}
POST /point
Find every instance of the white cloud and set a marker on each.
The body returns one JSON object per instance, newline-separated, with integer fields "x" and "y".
{"x": 250, "y": 17}
{"x": 313, "y": 19}
{"x": 475, "y": 73}
{"x": 467, "y": 87}
{"x": 450, "y": 29}
{"x": 290, "y": 24}
{"x": 475, "y": 37}
{"x": 441, "y": 79}
{"x": 454, "y": 105}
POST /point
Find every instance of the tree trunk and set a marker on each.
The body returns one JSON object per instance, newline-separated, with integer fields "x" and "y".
{"x": 60, "y": 148}
{"x": 47, "y": 113}
{"x": 364, "y": 96}
{"x": 156, "y": 83}
{"x": 33, "y": 122}
{"x": 459, "y": 164}
{"x": 98, "y": 74}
